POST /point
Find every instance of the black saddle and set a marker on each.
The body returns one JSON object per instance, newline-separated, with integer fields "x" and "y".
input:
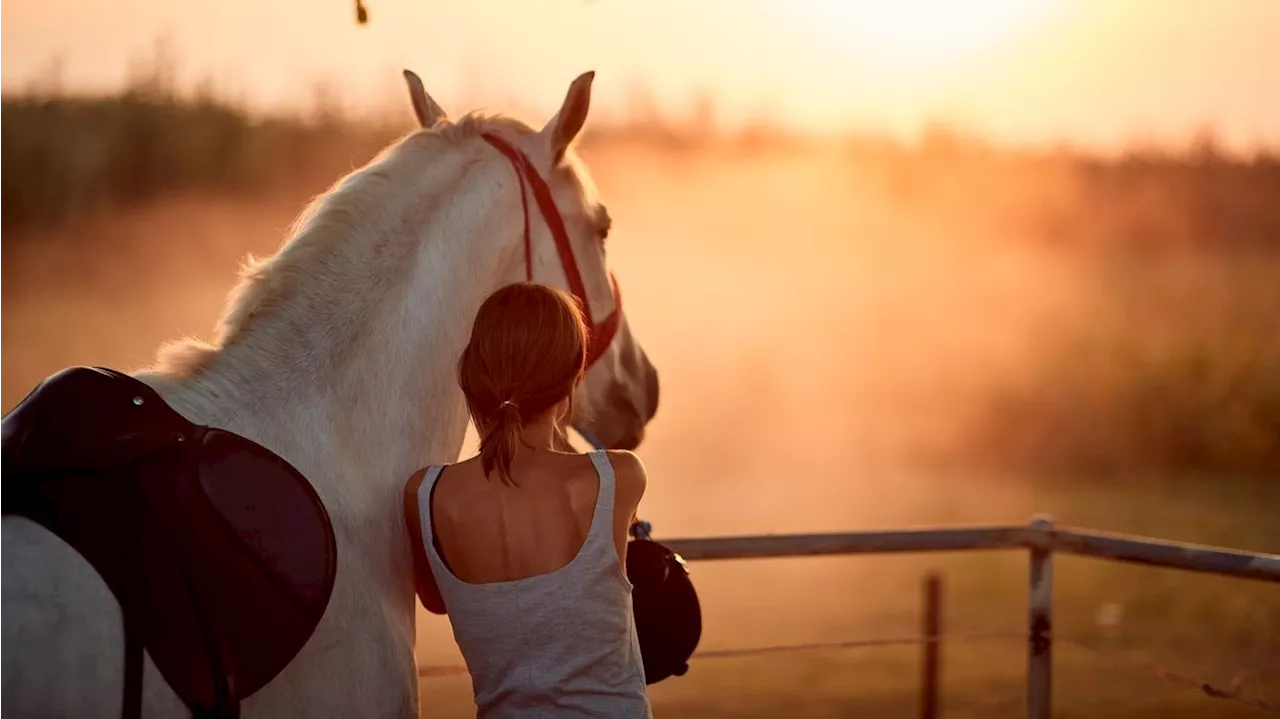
{"x": 221, "y": 554}
{"x": 665, "y": 604}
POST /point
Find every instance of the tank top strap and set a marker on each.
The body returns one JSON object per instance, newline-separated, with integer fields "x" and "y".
{"x": 601, "y": 529}
{"x": 424, "y": 517}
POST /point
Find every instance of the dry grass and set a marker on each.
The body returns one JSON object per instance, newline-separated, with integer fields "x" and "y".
{"x": 68, "y": 157}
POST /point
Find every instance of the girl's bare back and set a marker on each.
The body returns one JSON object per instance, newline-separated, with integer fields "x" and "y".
{"x": 494, "y": 532}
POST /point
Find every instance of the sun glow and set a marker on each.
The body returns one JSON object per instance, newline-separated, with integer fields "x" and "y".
{"x": 924, "y": 32}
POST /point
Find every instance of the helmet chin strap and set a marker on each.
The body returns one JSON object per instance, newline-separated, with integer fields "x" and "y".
{"x": 590, "y": 438}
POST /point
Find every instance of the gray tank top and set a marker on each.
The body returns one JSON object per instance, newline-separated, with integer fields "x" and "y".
{"x": 561, "y": 644}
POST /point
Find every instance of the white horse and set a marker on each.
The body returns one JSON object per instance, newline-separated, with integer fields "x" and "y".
{"x": 338, "y": 353}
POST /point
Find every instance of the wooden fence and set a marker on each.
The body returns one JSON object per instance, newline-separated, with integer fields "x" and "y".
{"x": 1041, "y": 539}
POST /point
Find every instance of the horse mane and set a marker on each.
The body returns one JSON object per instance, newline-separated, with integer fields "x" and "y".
{"x": 319, "y": 231}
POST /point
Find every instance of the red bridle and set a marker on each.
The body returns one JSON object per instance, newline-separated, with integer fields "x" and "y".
{"x": 601, "y": 335}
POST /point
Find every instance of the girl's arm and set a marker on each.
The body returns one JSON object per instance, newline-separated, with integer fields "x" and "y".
{"x": 631, "y": 482}
{"x": 428, "y": 592}
{"x": 424, "y": 582}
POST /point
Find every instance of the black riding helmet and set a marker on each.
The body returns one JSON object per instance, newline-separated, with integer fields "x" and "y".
{"x": 668, "y": 616}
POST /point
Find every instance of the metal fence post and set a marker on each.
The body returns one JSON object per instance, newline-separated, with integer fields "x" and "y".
{"x": 932, "y": 646}
{"x": 1040, "y": 640}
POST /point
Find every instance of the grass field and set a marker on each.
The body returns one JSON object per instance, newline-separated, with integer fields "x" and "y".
{"x": 850, "y": 336}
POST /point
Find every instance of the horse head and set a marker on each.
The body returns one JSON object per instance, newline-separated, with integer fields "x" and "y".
{"x": 563, "y": 242}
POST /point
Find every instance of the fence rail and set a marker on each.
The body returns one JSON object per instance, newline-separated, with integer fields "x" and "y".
{"x": 1037, "y": 536}
{"x": 1041, "y": 539}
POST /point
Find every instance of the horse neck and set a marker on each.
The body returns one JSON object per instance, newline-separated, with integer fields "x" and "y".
{"x": 357, "y": 405}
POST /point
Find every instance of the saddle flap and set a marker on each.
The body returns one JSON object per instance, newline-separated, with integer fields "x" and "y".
{"x": 257, "y": 551}
{"x": 84, "y": 420}
{"x": 274, "y": 512}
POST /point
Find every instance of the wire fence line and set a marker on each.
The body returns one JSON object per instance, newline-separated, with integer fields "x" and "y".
{"x": 737, "y": 652}
{"x": 1233, "y": 693}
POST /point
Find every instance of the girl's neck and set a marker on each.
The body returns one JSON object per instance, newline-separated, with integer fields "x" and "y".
{"x": 543, "y": 434}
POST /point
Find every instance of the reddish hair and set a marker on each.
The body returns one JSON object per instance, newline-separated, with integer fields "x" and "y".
{"x": 527, "y": 351}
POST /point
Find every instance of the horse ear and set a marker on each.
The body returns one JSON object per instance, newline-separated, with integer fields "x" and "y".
{"x": 566, "y": 124}
{"x": 426, "y": 109}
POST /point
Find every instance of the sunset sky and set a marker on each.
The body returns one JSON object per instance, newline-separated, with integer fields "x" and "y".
{"x": 1093, "y": 72}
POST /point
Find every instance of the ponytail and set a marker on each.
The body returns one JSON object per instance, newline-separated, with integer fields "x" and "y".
{"x": 526, "y": 354}
{"x": 498, "y": 445}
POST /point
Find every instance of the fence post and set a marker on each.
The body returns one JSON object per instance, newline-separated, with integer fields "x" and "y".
{"x": 932, "y": 646}
{"x": 1040, "y": 640}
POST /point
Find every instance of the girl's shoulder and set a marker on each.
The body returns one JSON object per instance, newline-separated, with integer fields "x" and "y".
{"x": 627, "y": 469}
{"x": 414, "y": 482}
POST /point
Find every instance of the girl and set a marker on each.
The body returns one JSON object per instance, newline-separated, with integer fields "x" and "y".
{"x": 524, "y": 546}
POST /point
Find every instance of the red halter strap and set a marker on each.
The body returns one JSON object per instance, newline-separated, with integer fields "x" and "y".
{"x": 601, "y": 335}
